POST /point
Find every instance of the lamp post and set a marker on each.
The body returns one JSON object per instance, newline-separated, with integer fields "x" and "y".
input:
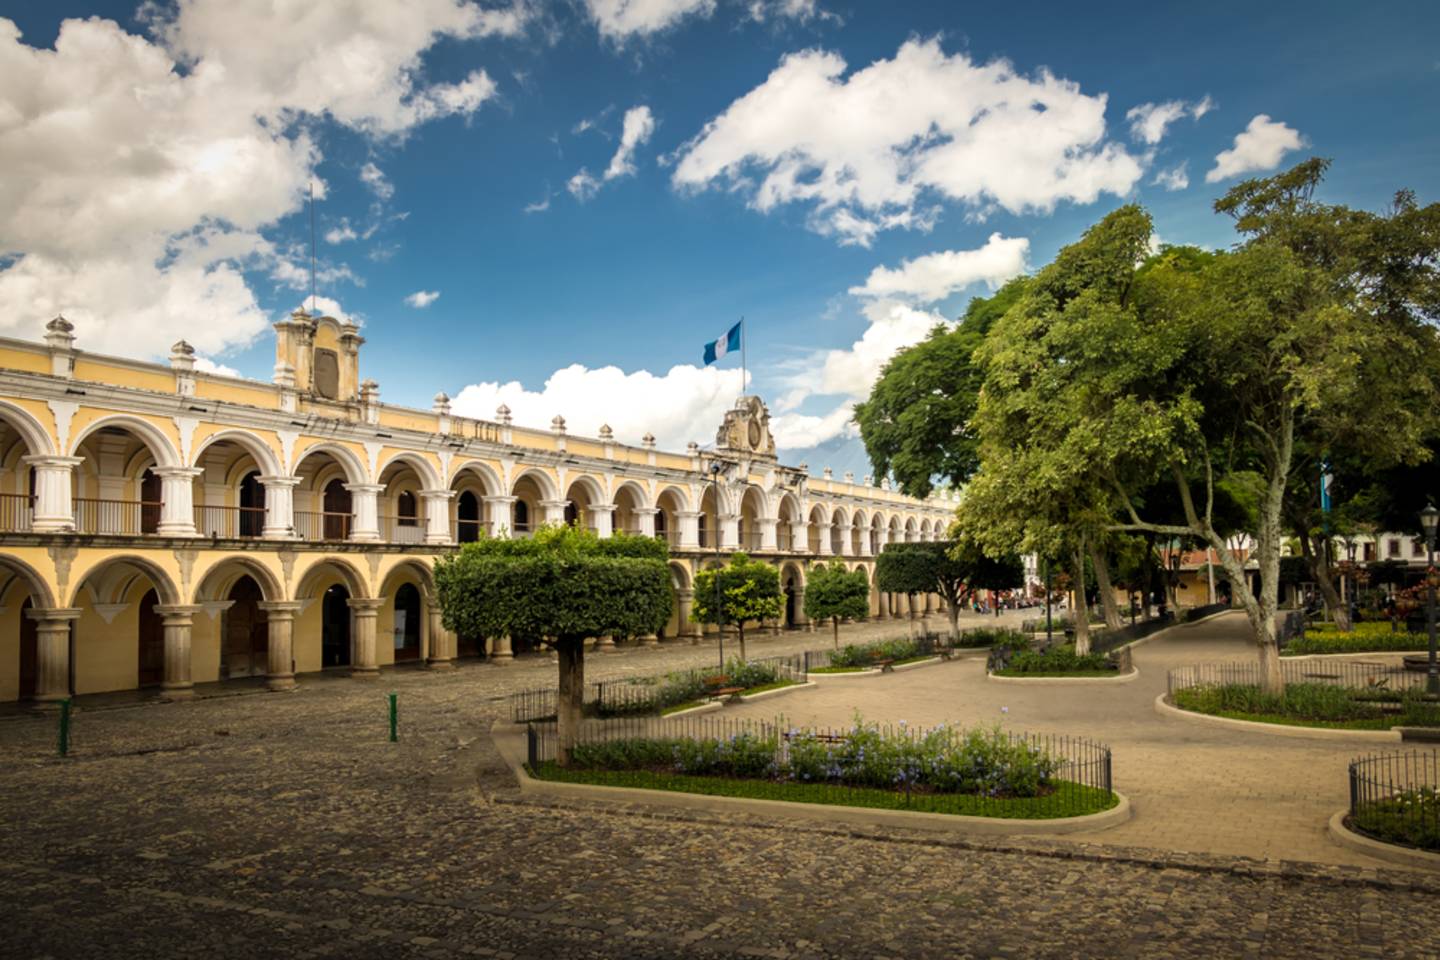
{"x": 1429, "y": 519}
{"x": 1049, "y": 627}
{"x": 715, "y": 469}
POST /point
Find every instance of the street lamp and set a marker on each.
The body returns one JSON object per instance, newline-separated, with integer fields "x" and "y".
{"x": 1429, "y": 519}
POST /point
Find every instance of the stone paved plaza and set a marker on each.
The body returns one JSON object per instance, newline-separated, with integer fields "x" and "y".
{"x": 286, "y": 825}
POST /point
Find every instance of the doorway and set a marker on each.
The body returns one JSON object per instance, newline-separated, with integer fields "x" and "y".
{"x": 335, "y": 628}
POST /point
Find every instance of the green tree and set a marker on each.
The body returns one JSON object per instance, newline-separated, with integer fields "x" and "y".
{"x": 834, "y": 593}
{"x": 915, "y": 424}
{"x": 901, "y": 570}
{"x": 564, "y": 585}
{"x": 749, "y": 592}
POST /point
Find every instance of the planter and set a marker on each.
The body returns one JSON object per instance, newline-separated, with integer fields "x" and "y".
{"x": 1119, "y": 677}
{"x": 1167, "y": 709}
{"x": 1379, "y": 849}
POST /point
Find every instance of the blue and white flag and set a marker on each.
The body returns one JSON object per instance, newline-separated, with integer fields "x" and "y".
{"x": 726, "y": 344}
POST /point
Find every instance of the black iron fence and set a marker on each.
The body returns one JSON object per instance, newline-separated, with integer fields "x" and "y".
{"x": 1191, "y": 614}
{"x": 1352, "y": 674}
{"x": 649, "y": 695}
{"x": 1288, "y": 626}
{"x": 1393, "y": 797}
{"x": 1078, "y": 772}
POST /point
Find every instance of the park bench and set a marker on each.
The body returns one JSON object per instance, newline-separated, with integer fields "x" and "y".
{"x": 719, "y": 688}
{"x": 886, "y": 665}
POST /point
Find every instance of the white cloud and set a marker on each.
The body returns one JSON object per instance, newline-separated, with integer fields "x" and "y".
{"x": 421, "y": 299}
{"x": 1260, "y": 146}
{"x": 176, "y": 153}
{"x": 636, "y": 129}
{"x": 936, "y": 276}
{"x": 1148, "y": 121}
{"x": 638, "y": 126}
{"x": 686, "y": 403}
{"x": 863, "y": 151}
{"x": 539, "y": 206}
{"x": 583, "y": 185}
{"x": 1176, "y": 178}
{"x": 800, "y": 10}
{"x": 206, "y": 365}
{"x": 374, "y": 178}
{"x": 342, "y": 233}
{"x": 618, "y": 20}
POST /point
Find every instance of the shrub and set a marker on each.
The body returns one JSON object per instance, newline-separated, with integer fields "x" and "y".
{"x": 865, "y": 654}
{"x": 1365, "y": 638}
{"x": 1058, "y": 659}
{"x": 1313, "y": 702}
{"x": 1409, "y": 817}
{"x": 995, "y": 637}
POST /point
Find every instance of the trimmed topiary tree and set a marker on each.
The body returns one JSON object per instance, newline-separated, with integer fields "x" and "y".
{"x": 749, "y": 592}
{"x": 834, "y": 593}
{"x": 953, "y": 569}
{"x": 564, "y": 585}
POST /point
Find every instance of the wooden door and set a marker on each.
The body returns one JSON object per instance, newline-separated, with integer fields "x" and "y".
{"x": 335, "y": 628}
{"x": 407, "y": 623}
{"x": 152, "y": 642}
{"x": 149, "y": 502}
{"x": 252, "y": 506}
{"x": 468, "y": 516}
{"x": 337, "y": 509}
{"x": 29, "y": 654}
{"x": 245, "y": 650}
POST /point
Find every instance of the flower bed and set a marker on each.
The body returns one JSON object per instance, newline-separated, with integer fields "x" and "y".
{"x": 943, "y": 770}
{"x": 1313, "y": 705}
{"x": 684, "y": 689}
{"x": 1365, "y": 638}
{"x": 1058, "y": 661}
{"x": 1411, "y": 817}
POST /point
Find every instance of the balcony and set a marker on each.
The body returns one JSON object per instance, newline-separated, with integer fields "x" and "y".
{"x": 120, "y": 517}
{"x": 313, "y": 525}
{"x": 229, "y": 522}
{"x": 402, "y": 530}
{"x": 17, "y": 510}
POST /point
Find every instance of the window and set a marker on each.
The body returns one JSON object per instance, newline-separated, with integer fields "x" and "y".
{"x": 405, "y": 509}
{"x": 1369, "y": 552}
{"x": 1417, "y": 548}
{"x": 327, "y": 373}
{"x": 522, "y": 515}
{"x": 1393, "y": 549}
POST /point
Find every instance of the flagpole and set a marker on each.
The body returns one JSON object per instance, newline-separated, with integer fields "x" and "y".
{"x": 743, "y": 346}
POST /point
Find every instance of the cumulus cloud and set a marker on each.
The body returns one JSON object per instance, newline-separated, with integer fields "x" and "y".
{"x": 206, "y": 365}
{"x": 1149, "y": 121}
{"x": 341, "y": 233}
{"x": 863, "y": 152}
{"x": 421, "y": 299}
{"x": 684, "y": 404}
{"x": 619, "y": 20}
{"x": 936, "y": 276}
{"x": 1260, "y": 146}
{"x": 141, "y": 173}
{"x": 1176, "y": 178}
{"x": 800, "y": 10}
{"x": 374, "y": 178}
{"x": 638, "y": 125}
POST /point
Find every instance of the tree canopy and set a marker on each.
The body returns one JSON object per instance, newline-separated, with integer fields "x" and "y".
{"x": 749, "y": 593}
{"x": 834, "y": 593}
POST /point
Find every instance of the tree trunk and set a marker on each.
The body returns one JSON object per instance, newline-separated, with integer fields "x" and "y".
{"x": 1079, "y": 610}
{"x": 1107, "y": 591}
{"x": 741, "y": 628}
{"x": 835, "y": 624}
{"x": 571, "y": 701}
{"x": 953, "y": 611}
{"x": 910, "y": 599}
{"x": 1317, "y": 561}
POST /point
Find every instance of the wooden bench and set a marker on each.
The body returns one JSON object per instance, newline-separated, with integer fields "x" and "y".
{"x": 727, "y": 693}
{"x": 886, "y": 666}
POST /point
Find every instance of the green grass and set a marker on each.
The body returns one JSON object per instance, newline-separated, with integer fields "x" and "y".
{"x": 676, "y": 708}
{"x": 1365, "y": 639}
{"x": 1079, "y": 799}
{"x": 1310, "y": 705}
{"x": 838, "y": 669}
{"x": 1011, "y": 672}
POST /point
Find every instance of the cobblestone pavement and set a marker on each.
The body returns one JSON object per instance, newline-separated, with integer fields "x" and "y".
{"x": 286, "y": 825}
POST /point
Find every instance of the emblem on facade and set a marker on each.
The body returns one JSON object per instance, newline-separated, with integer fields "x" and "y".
{"x": 747, "y": 429}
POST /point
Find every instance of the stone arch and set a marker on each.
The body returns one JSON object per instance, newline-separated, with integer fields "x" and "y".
{"x": 36, "y": 437}
{"x": 754, "y": 506}
{"x": 154, "y": 439}
{"x": 676, "y": 494}
{"x": 355, "y": 471}
{"x": 416, "y": 568}
{"x": 489, "y": 479}
{"x": 114, "y": 566}
{"x": 637, "y": 490}
{"x": 542, "y": 480}
{"x": 424, "y": 469}
{"x": 354, "y": 581}
{"x": 792, "y": 588}
{"x": 251, "y": 443}
{"x": 679, "y": 575}
{"x": 19, "y": 570}
{"x": 216, "y": 582}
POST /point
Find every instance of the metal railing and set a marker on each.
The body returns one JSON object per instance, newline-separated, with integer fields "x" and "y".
{"x": 1394, "y": 798}
{"x": 469, "y": 530}
{"x": 402, "y": 529}
{"x": 1077, "y": 769}
{"x": 1352, "y": 674}
{"x": 125, "y": 517}
{"x": 320, "y": 525}
{"x": 17, "y": 512}
{"x": 232, "y": 522}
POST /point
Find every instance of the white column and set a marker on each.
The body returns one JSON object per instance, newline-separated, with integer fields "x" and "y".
{"x": 799, "y": 536}
{"x": 768, "y": 537}
{"x": 502, "y": 516}
{"x": 554, "y": 510}
{"x": 825, "y": 544}
{"x": 689, "y": 521}
{"x": 645, "y": 518}
{"x": 177, "y": 502}
{"x": 279, "y": 507}
{"x": 364, "y": 505}
{"x": 280, "y": 664}
{"x": 442, "y": 642}
{"x": 364, "y": 612}
{"x": 437, "y": 515}
{"x": 865, "y": 550}
{"x": 503, "y": 652}
{"x": 730, "y": 532}
{"x": 602, "y": 516}
{"x": 176, "y": 683}
{"x": 54, "y": 496}
{"x": 52, "y": 629}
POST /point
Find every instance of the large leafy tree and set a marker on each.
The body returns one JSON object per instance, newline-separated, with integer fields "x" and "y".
{"x": 564, "y": 585}
{"x": 916, "y": 422}
{"x": 749, "y": 592}
{"x": 1119, "y": 372}
{"x": 834, "y": 593}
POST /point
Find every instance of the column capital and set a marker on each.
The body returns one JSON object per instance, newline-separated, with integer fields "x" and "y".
{"x": 365, "y": 606}
{"x": 439, "y": 494}
{"x": 280, "y": 608}
{"x": 376, "y": 488}
{"x": 688, "y": 514}
{"x": 44, "y": 615}
{"x": 499, "y": 498}
{"x": 179, "y": 613}
{"x": 47, "y": 460}
{"x": 601, "y": 508}
{"x": 554, "y": 504}
{"x": 177, "y": 473}
{"x": 279, "y": 480}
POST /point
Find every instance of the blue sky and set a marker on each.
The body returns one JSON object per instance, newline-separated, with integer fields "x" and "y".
{"x": 159, "y": 164}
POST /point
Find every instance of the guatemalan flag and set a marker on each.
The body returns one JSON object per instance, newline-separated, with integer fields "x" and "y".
{"x": 726, "y": 344}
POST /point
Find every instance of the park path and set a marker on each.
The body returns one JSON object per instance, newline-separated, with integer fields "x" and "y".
{"x": 1193, "y": 787}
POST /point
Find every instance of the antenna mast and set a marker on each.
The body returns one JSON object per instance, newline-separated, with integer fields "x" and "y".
{"x": 312, "y": 247}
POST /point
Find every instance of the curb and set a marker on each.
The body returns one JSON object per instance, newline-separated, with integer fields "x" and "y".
{"x": 1371, "y": 654}
{"x": 900, "y": 668}
{"x": 1390, "y": 852}
{"x": 1166, "y": 709}
{"x": 1132, "y": 674}
{"x": 703, "y": 708}
{"x": 746, "y": 698}
{"x": 847, "y": 675}
{"x": 511, "y": 747}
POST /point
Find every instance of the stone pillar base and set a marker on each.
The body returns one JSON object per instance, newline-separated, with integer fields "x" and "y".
{"x": 178, "y": 692}
{"x": 280, "y": 682}
{"x": 605, "y": 645}
{"x": 650, "y": 641}
{"x": 441, "y": 665}
{"x": 365, "y": 673}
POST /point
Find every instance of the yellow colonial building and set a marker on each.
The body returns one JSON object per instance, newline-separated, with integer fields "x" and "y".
{"x": 161, "y": 526}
